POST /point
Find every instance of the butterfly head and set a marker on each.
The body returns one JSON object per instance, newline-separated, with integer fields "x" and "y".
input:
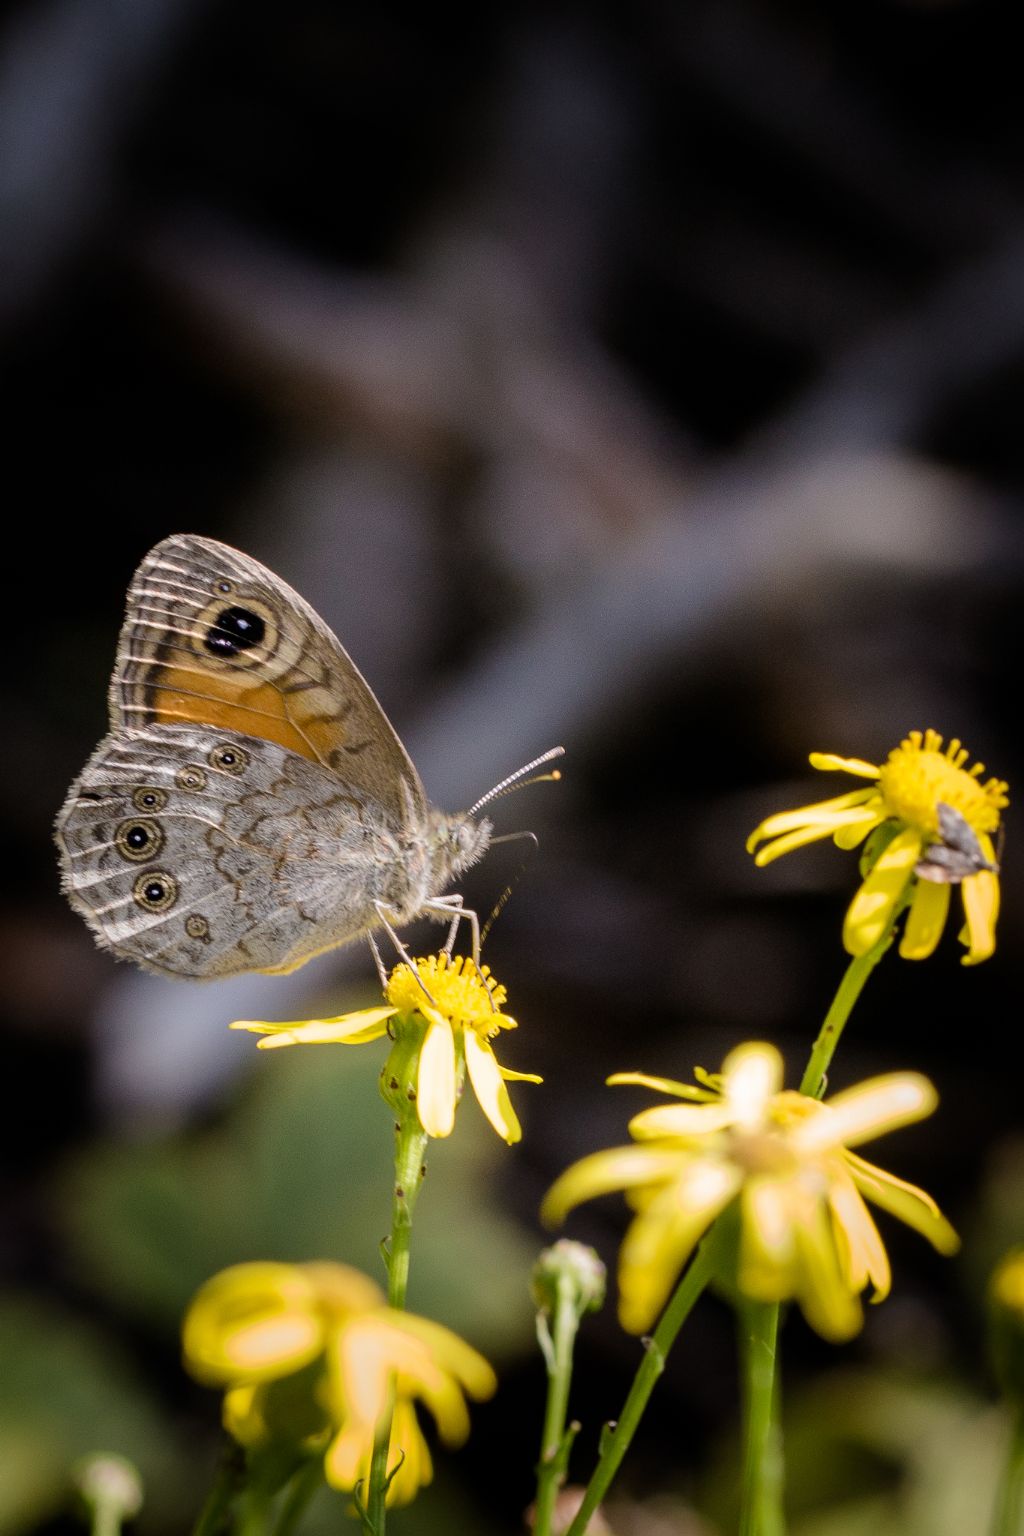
{"x": 461, "y": 840}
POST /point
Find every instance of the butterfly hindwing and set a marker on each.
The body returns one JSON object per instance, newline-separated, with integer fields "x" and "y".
{"x": 202, "y": 852}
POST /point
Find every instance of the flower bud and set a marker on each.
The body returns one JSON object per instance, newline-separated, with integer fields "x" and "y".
{"x": 580, "y": 1266}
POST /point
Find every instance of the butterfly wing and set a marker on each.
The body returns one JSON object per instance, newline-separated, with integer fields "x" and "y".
{"x": 200, "y": 852}
{"x": 212, "y": 637}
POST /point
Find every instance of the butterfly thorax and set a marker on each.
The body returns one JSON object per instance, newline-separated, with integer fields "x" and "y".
{"x": 428, "y": 857}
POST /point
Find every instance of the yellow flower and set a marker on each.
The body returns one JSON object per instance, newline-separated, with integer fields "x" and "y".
{"x": 312, "y": 1353}
{"x": 805, "y": 1231}
{"x": 941, "y": 820}
{"x": 453, "y": 1011}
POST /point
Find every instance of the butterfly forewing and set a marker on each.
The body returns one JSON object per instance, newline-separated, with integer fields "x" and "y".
{"x": 213, "y": 637}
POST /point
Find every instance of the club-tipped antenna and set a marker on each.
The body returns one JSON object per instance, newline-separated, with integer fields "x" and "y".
{"x": 516, "y": 780}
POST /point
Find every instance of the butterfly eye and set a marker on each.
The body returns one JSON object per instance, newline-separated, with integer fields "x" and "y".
{"x": 230, "y": 759}
{"x": 138, "y": 840}
{"x": 155, "y": 891}
{"x": 147, "y": 799}
{"x": 190, "y": 777}
{"x": 234, "y": 630}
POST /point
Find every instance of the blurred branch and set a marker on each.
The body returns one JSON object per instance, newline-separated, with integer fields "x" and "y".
{"x": 73, "y": 75}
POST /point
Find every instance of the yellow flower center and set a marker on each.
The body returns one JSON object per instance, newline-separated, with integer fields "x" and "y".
{"x": 457, "y": 988}
{"x": 918, "y": 776}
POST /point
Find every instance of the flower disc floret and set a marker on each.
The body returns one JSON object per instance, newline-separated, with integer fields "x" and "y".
{"x": 467, "y": 996}
{"x": 936, "y": 819}
{"x": 785, "y": 1162}
{"x": 443, "y": 1013}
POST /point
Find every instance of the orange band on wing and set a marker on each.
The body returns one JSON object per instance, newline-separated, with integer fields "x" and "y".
{"x": 258, "y": 711}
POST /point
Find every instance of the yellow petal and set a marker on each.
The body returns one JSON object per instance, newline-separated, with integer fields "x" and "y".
{"x": 662, "y": 1085}
{"x": 981, "y": 907}
{"x": 925, "y": 920}
{"x": 347, "y": 1029}
{"x": 858, "y": 1239}
{"x": 871, "y": 910}
{"x": 519, "y": 1077}
{"x": 824, "y": 1295}
{"x": 435, "y": 1087}
{"x": 242, "y": 1414}
{"x": 341, "y": 1289}
{"x": 767, "y": 1249}
{"x": 830, "y": 763}
{"x": 408, "y": 1457}
{"x": 348, "y": 1455}
{"x": 913, "y": 1206}
{"x": 489, "y": 1087}
{"x": 362, "y": 1361}
{"x": 443, "y": 1397}
{"x": 252, "y": 1322}
{"x": 854, "y": 833}
{"x": 751, "y": 1075}
{"x": 450, "y": 1352}
{"x": 823, "y": 814}
{"x": 870, "y": 1109}
{"x": 660, "y": 1240}
{"x": 682, "y": 1120}
{"x": 812, "y": 833}
{"x": 601, "y": 1172}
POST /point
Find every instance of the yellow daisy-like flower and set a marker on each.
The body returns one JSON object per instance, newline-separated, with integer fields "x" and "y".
{"x": 805, "y": 1230}
{"x": 310, "y": 1352}
{"x": 942, "y": 821}
{"x": 453, "y": 1011}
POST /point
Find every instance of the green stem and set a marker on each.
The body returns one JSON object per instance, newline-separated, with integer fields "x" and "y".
{"x": 761, "y": 1506}
{"x": 850, "y": 988}
{"x": 761, "y": 1511}
{"x": 410, "y": 1146}
{"x": 302, "y": 1488}
{"x": 616, "y": 1443}
{"x": 554, "y": 1444}
{"x": 215, "y": 1514}
{"x": 1009, "y": 1516}
{"x": 106, "y": 1519}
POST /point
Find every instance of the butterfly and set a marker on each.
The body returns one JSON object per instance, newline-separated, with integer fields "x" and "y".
{"x": 251, "y": 805}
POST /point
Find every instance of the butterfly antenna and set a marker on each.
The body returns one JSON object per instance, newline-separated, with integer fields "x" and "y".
{"x": 518, "y": 780}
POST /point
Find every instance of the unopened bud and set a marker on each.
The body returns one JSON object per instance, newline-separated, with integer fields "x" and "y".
{"x": 575, "y": 1262}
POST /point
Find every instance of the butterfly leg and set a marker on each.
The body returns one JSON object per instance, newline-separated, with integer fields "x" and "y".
{"x": 378, "y": 962}
{"x": 453, "y": 905}
{"x": 457, "y": 916}
{"x": 382, "y": 915}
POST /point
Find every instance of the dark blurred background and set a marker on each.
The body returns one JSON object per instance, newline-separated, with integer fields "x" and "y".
{"x": 646, "y": 379}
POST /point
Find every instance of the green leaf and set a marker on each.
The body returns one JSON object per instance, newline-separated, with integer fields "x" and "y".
{"x": 64, "y": 1392}
{"x": 302, "y": 1169}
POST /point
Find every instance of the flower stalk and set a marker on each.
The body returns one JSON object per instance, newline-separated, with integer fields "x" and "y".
{"x": 410, "y": 1147}
{"x": 815, "y": 1077}
{"x": 568, "y": 1282}
{"x": 761, "y": 1505}
{"x": 616, "y": 1442}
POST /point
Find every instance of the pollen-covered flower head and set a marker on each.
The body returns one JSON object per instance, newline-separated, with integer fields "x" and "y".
{"x": 308, "y": 1353}
{"x": 443, "y": 1013}
{"x": 933, "y": 822}
{"x": 785, "y": 1159}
